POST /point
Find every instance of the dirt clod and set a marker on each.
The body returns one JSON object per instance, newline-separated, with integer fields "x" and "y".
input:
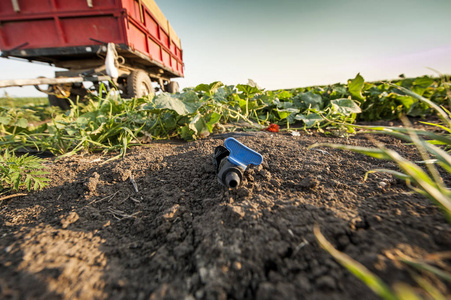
{"x": 70, "y": 219}
{"x": 309, "y": 182}
{"x": 92, "y": 183}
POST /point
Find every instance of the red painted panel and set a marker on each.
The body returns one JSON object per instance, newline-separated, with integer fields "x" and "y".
{"x": 128, "y": 5}
{"x": 151, "y": 25}
{"x": 26, "y": 6}
{"x": 164, "y": 38}
{"x": 79, "y": 31}
{"x": 155, "y": 50}
{"x": 38, "y": 34}
{"x": 180, "y": 68}
{"x": 179, "y": 54}
{"x": 6, "y": 7}
{"x": 135, "y": 12}
{"x": 74, "y": 5}
{"x": 137, "y": 39}
{"x": 166, "y": 59}
{"x": 36, "y": 6}
{"x": 173, "y": 48}
{"x": 173, "y": 63}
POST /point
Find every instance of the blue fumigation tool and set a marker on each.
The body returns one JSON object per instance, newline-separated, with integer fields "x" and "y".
{"x": 232, "y": 160}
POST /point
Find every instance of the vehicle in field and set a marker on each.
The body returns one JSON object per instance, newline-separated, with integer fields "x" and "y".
{"x": 125, "y": 43}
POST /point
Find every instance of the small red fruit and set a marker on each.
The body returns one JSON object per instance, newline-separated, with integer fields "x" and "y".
{"x": 272, "y": 128}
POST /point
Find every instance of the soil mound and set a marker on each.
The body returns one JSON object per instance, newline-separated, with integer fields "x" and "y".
{"x": 157, "y": 225}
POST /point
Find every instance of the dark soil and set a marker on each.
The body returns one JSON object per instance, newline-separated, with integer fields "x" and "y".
{"x": 91, "y": 235}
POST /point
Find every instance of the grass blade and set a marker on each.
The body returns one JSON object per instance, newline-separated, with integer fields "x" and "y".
{"x": 434, "y": 190}
{"x": 441, "y": 113}
{"x": 405, "y": 292}
{"x": 356, "y": 268}
{"x": 397, "y": 174}
{"x": 397, "y": 132}
{"x": 438, "y": 126}
{"x": 373, "y": 152}
{"x": 428, "y": 268}
{"x": 429, "y": 288}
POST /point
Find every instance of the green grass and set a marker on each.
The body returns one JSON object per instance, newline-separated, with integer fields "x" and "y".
{"x": 23, "y": 101}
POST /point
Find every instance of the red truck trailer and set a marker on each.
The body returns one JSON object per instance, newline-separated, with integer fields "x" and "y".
{"x": 128, "y": 43}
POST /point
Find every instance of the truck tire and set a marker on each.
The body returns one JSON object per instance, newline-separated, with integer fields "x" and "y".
{"x": 173, "y": 87}
{"x": 139, "y": 84}
{"x": 62, "y": 103}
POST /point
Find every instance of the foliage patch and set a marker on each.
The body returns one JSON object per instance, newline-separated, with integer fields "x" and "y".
{"x": 110, "y": 123}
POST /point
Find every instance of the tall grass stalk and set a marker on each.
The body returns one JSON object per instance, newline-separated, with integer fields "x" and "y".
{"x": 427, "y": 182}
{"x": 359, "y": 270}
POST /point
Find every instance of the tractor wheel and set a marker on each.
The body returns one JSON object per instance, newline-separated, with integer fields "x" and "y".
{"x": 173, "y": 87}
{"x": 139, "y": 84}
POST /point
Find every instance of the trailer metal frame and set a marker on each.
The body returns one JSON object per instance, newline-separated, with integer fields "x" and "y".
{"x": 75, "y": 37}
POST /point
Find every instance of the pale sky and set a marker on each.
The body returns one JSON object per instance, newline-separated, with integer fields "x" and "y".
{"x": 296, "y": 43}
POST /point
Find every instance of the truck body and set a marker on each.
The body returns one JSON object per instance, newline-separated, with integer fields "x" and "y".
{"x": 75, "y": 35}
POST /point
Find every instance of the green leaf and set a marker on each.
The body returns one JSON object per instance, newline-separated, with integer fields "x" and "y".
{"x": 284, "y": 113}
{"x": 21, "y": 122}
{"x": 284, "y": 95}
{"x": 248, "y": 90}
{"x": 167, "y": 101}
{"x": 338, "y": 91}
{"x": 28, "y": 182}
{"x": 209, "y": 89}
{"x": 310, "y": 120}
{"x": 83, "y": 120}
{"x": 5, "y": 120}
{"x": 202, "y": 88}
{"x": 189, "y": 96}
{"x": 169, "y": 121}
{"x": 355, "y": 87}
{"x": 345, "y": 106}
{"x": 187, "y": 133}
{"x": 15, "y": 179}
{"x": 285, "y": 105}
{"x": 417, "y": 110}
{"x": 16, "y": 172}
{"x": 212, "y": 119}
{"x": 420, "y": 84}
{"x": 312, "y": 101}
{"x": 407, "y": 101}
{"x": 199, "y": 126}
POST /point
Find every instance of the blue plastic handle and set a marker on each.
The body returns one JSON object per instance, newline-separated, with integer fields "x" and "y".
{"x": 241, "y": 155}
